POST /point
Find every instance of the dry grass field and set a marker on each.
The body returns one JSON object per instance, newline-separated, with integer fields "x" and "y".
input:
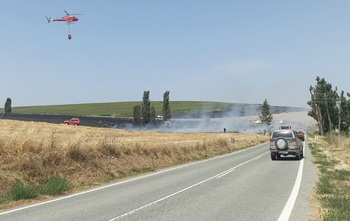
{"x": 33, "y": 152}
{"x": 331, "y": 196}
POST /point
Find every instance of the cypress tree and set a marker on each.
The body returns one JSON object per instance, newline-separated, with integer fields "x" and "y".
{"x": 266, "y": 116}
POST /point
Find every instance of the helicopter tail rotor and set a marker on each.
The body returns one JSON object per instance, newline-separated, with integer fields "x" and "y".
{"x": 48, "y": 19}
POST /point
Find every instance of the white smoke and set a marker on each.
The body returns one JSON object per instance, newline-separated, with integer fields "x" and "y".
{"x": 240, "y": 119}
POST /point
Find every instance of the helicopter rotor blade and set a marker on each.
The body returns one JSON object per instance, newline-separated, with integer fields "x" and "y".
{"x": 70, "y": 14}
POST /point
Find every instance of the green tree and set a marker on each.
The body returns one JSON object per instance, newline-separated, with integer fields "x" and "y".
{"x": 343, "y": 113}
{"x": 166, "y": 106}
{"x": 324, "y": 105}
{"x": 146, "y": 108}
{"x": 346, "y": 111}
{"x": 315, "y": 111}
{"x": 153, "y": 114}
{"x": 266, "y": 116}
{"x": 137, "y": 114}
{"x": 7, "y": 106}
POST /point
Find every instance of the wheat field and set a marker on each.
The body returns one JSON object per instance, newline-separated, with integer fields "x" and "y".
{"x": 33, "y": 152}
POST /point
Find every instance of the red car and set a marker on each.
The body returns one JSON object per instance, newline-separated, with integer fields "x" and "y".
{"x": 73, "y": 121}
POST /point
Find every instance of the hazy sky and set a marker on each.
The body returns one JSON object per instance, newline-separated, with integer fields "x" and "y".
{"x": 236, "y": 51}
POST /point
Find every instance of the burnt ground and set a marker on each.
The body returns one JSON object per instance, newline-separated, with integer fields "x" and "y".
{"x": 185, "y": 120}
{"x": 92, "y": 121}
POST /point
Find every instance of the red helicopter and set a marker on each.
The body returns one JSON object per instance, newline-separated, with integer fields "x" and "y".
{"x": 68, "y": 19}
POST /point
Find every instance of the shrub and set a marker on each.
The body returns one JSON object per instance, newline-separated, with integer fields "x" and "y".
{"x": 55, "y": 186}
{"x": 22, "y": 191}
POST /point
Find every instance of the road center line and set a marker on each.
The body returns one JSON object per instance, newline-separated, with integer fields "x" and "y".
{"x": 187, "y": 188}
{"x": 225, "y": 173}
{"x": 234, "y": 168}
{"x": 293, "y": 196}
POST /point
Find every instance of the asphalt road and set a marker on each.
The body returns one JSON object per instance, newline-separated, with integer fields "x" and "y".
{"x": 244, "y": 185}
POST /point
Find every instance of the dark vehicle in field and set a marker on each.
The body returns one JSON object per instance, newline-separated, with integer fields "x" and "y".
{"x": 73, "y": 121}
{"x": 284, "y": 143}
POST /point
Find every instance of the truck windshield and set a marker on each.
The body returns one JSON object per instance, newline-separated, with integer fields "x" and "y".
{"x": 286, "y": 134}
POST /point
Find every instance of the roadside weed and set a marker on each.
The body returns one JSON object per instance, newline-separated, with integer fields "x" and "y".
{"x": 54, "y": 186}
{"x": 22, "y": 191}
{"x": 333, "y": 186}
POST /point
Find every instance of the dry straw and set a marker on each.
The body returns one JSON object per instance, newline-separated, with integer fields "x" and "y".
{"x": 34, "y": 152}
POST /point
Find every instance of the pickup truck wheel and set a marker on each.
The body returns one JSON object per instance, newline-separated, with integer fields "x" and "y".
{"x": 298, "y": 156}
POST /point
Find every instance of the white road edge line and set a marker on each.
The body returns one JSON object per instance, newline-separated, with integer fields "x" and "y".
{"x": 293, "y": 196}
{"x": 127, "y": 181}
{"x": 187, "y": 188}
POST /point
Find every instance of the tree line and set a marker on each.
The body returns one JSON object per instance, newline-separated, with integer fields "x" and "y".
{"x": 329, "y": 108}
{"x": 145, "y": 113}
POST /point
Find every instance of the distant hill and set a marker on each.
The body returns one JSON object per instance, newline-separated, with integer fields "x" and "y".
{"x": 178, "y": 108}
{"x": 119, "y": 115}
